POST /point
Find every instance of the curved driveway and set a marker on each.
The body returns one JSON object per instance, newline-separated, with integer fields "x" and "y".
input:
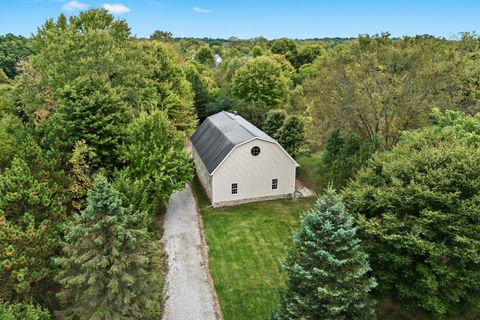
{"x": 188, "y": 291}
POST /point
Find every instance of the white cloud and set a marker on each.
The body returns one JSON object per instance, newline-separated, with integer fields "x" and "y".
{"x": 74, "y": 5}
{"x": 117, "y": 8}
{"x": 201, "y": 10}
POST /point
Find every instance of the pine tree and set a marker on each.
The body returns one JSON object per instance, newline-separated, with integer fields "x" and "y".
{"x": 326, "y": 271}
{"x": 110, "y": 268}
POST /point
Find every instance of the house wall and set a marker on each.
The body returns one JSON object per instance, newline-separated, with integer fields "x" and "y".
{"x": 253, "y": 174}
{"x": 202, "y": 173}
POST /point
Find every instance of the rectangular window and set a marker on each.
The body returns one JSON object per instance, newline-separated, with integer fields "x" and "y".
{"x": 274, "y": 184}
{"x": 234, "y": 188}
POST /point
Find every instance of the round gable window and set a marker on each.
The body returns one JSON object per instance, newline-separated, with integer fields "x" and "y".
{"x": 255, "y": 151}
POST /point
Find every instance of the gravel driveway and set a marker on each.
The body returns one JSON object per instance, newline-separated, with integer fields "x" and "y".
{"x": 188, "y": 289}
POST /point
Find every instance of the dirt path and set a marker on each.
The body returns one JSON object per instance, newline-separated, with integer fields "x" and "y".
{"x": 188, "y": 289}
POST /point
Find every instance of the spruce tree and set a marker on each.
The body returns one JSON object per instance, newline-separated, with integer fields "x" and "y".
{"x": 326, "y": 270}
{"x": 110, "y": 268}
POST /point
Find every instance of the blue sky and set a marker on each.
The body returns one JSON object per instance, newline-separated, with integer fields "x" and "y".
{"x": 271, "y": 19}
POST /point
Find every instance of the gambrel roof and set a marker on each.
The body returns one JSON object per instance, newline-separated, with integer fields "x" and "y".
{"x": 220, "y": 133}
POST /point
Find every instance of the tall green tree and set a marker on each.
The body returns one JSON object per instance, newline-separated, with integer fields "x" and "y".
{"x": 12, "y": 49}
{"x": 34, "y": 204}
{"x": 174, "y": 94}
{"x": 291, "y": 135}
{"x": 378, "y": 86}
{"x": 327, "y": 271}
{"x": 91, "y": 110}
{"x": 344, "y": 154}
{"x": 273, "y": 122}
{"x": 286, "y": 47}
{"x": 111, "y": 266}
{"x": 156, "y": 164}
{"x": 261, "y": 80}
{"x": 91, "y": 45}
{"x": 204, "y": 55}
{"x": 418, "y": 208}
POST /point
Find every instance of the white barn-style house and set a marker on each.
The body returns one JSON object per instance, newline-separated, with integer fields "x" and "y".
{"x": 236, "y": 162}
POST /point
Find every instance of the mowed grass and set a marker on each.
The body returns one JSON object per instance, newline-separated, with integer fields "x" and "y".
{"x": 246, "y": 243}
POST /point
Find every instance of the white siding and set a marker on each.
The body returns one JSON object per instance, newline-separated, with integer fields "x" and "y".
{"x": 202, "y": 173}
{"x": 254, "y": 174}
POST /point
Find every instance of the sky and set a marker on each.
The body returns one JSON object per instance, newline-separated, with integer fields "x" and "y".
{"x": 267, "y": 18}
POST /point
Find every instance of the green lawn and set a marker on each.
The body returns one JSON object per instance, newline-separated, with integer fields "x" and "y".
{"x": 246, "y": 243}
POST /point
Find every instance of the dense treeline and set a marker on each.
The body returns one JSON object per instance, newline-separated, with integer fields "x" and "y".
{"x": 93, "y": 128}
{"x": 93, "y": 124}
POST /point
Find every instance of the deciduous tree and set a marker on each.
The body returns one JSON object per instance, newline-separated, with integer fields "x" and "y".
{"x": 156, "y": 164}
{"x": 418, "y": 207}
{"x": 261, "y": 79}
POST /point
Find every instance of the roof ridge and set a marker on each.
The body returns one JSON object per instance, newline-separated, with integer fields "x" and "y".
{"x": 241, "y": 125}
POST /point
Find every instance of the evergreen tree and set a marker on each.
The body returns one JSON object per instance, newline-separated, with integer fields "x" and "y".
{"x": 33, "y": 207}
{"x": 291, "y": 135}
{"x": 326, "y": 271}
{"x": 23, "y": 311}
{"x": 109, "y": 268}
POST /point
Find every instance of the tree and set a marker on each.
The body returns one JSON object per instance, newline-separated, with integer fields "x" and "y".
{"x": 80, "y": 173}
{"x": 111, "y": 266}
{"x": 202, "y": 95}
{"x": 23, "y": 311}
{"x": 286, "y": 47}
{"x": 156, "y": 164}
{"x": 174, "y": 94}
{"x": 161, "y": 36}
{"x": 33, "y": 207}
{"x": 90, "y": 44}
{"x": 204, "y": 55}
{"x": 273, "y": 122}
{"x": 261, "y": 79}
{"x": 327, "y": 271}
{"x": 12, "y": 49}
{"x": 256, "y": 51}
{"x": 291, "y": 135}
{"x": 12, "y": 134}
{"x": 344, "y": 154}
{"x": 379, "y": 87}
{"x": 308, "y": 54}
{"x": 91, "y": 110}
{"x": 418, "y": 207}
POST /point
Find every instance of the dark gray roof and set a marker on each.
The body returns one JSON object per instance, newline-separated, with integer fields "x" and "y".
{"x": 219, "y": 134}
